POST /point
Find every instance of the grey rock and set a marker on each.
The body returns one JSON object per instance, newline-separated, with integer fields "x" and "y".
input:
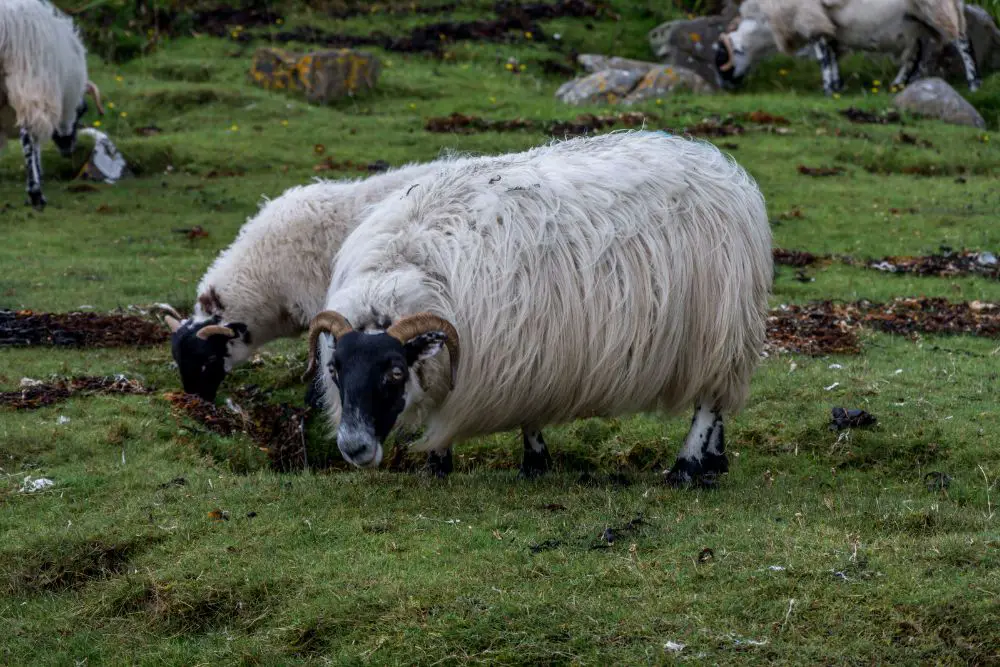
{"x": 664, "y": 80}
{"x": 689, "y": 44}
{"x": 593, "y": 62}
{"x": 610, "y": 86}
{"x": 935, "y": 98}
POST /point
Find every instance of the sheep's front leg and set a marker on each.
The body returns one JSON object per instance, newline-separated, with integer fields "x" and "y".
{"x": 911, "y": 63}
{"x": 703, "y": 456}
{"x": 31, "y": 147}
{"x": 828, "y": 66}
{"x": 536, "y": 455}
{"x": 440, "y": 464}
{"x": 964, "y": 47}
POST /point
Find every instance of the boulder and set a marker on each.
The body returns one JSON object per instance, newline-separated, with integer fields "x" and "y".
{"x": 943, "y": 60}
{"x": 935, "y": 98}
{"x": 609, "y": 85}
{"x": 688, "y": 43}
{"x": 323, "y": 76}
{"x": 664, "y": 80}
{"x": 593, "y": 62}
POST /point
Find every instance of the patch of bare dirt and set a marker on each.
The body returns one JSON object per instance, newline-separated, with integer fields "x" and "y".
{"x": 946, "y": 264}
{"x": 856, "y": 115}
{"x": 25, "y": 327}
{"x": 799, "y": 258}
{"x": 33, "y": 395}
{"x": 278, "y": 429}
{"x": 583, "y": 124}
{"x": 820, "y": 171}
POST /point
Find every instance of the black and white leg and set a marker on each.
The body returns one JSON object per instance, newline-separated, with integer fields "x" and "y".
{"x": 536, "y": 455}
{"x": 964, "y": 47}
{"x": 911, "y": 63}
{"x": 31, "y": 147}
{"x": 827, "y": 59}
{"x": 703, "y": 455}
{"x": 440, "y": 463}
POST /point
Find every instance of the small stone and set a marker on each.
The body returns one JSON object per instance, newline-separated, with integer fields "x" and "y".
{"x": 935, "y": 98}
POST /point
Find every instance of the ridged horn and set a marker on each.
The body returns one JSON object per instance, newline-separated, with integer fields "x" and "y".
{"x": 168, "y": 309}
{"x": 331, "y": 322}
{"x": 95, "y": 92}
{"x": 412, "y": 326}
{"x": 728, "y": 44}
{"x": 215, "y": 329}
{"x": 172, "y": 323}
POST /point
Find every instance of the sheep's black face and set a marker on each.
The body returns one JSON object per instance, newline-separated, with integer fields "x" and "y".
{"x": 203, "y": 362}
{"x": 371, "y": 371}
{"x": 728, "y": 68}
{"x": 66, "y": 142}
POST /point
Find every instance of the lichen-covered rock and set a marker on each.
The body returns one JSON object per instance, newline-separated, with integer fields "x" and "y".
{"x": 593, "y": 62}
{"x": 664, "y": 80}
{"x": 689, "y": 43}
{"x": 323, "y": 76}
{"x": 935, "y": 98}
{"x": 606, "y": 86}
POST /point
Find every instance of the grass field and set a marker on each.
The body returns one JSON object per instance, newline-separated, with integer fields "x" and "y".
{"x": 825, "y": 547}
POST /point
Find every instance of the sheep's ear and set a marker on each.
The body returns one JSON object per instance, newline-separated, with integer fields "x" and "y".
{"x": 424, "y": 346}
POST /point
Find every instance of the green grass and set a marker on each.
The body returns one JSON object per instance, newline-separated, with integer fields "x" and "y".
{"x": 113, "y": 565}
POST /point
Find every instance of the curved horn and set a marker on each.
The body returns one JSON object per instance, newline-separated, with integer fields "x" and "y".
{"x": 728, "y": 44}
{"x": 172, "y": 323}
{"x": 168, "y": 309}
{"x": 331, "y": 322}
{"x": 411, "y": 326}
{"x": 215, "y": 329}
{"x": 95, "y": 92}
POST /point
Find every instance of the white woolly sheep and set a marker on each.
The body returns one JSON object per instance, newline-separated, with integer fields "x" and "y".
{"x": 272, "y": 280}
{"x": 43, "y": 80}
{"x": 889, "y": 26}
{"x": 592, "y": 277}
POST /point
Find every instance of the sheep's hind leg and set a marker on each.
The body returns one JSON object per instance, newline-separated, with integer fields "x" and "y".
{"x": 703, "y": 456}
{"x": 33, "y": 169}
{"x": 911, "y": 63}
{"x": 827, "y": 58}
{"x": 964, "y": 47}
{"x": 537, "y": 459}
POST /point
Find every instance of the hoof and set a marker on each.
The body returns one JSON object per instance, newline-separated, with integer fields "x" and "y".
{"x": 36, "y": 200}
{"x": 693, "y": 474}
{"x": 535, "y": 464}
{"x": 440, "y": 465}
{"x": 714, "y": 463}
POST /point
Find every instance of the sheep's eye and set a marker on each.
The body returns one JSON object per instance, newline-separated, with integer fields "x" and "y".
{"x": 396, "y": 374}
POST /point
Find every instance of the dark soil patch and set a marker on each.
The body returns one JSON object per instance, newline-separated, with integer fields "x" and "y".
{"x": 329, "y": 164}
{"x": 277, "y": 429}
{"x": 24, "y": 328}
{"x": 68, "y": 564}
{"x": 820, "y": 171}
{"x": 814, "y": 329}
{"x": 856, "y": 115}
{"x": 799, "y": 258}
{"x": 390, "y": 9}
{"x": 583, "y": 124}
{"x": 555, "y": 10}
{"x": 48, "y": 393}
{"x": 945, "y": 264}
{"x": 831, "y": 328}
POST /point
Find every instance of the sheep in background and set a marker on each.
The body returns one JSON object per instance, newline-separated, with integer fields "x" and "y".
{"x": 43, "y": 79}
{"x": 829, "y": 26}
{"x": 594, "y": 277}
{"x": 272, "y": 280}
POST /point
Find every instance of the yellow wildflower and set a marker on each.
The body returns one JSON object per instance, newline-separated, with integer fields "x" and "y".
{"x": 527, "y": 35}
{"x": 97, "y": 123}
{"x": 234, "y": 128}
{"x": 783, "y": 72}
{"x": 284, "y": 123}
{"x": 119, "y": 78}
{"x": 111, "y": 105}
{"x": 509, "y": 67}
{"x": 522, "y": 67}
{"x": 124, "y": 114}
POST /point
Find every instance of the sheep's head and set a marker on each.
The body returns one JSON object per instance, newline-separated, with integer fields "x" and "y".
{"x": 64, "y": 135}
{"x": 372, "y": 371}
{"x": 205, "y": 351}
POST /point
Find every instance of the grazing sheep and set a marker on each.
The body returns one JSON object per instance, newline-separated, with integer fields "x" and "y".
{"x": 829, "y": 26}
{"x": 43, "y": 80}
{"x": 589, "y": 278}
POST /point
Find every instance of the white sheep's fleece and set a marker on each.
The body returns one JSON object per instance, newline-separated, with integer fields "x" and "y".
{"x": 794, "y": 23}
{"x": 43, "y": 67}
{"x": 273, "y": 277}
{"x": 590, "y": 277}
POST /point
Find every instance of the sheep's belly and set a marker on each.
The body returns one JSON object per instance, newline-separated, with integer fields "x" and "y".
{"x": 875, "y": 25}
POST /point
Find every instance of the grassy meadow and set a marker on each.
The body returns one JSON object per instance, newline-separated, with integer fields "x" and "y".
{"x": 818, "y": 547}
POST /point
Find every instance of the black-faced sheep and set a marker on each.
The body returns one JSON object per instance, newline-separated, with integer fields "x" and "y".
{"x": 272, "y": 280}
{"x": 589, "y": 278}
{"x": 43, "y": 80}
{"x": 887, "y": 26}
